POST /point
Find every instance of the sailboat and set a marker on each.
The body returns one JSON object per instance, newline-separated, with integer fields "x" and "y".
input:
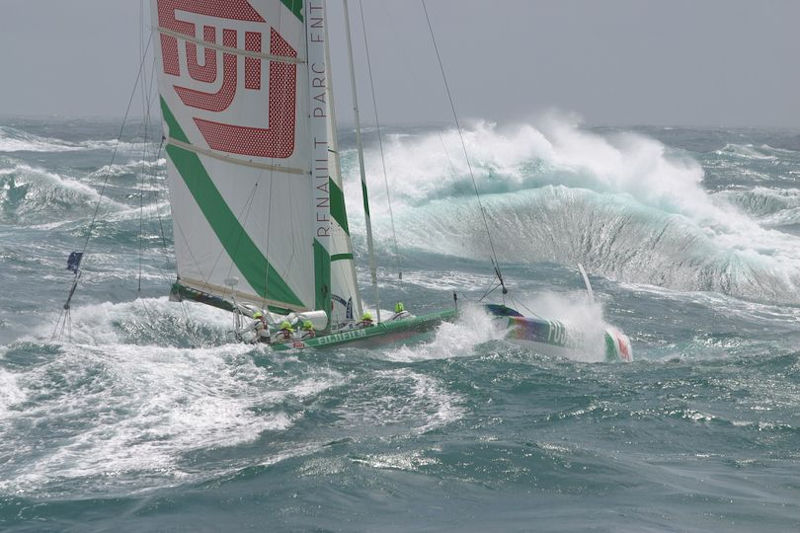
{"x": 253, "y": 168}
{"x": 260, "y": 222}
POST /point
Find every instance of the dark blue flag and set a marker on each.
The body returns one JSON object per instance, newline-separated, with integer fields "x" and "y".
{"x": 74, "y": 261}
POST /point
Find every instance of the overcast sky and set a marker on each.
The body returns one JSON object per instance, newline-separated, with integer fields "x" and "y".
{"x": 613, "y": 62}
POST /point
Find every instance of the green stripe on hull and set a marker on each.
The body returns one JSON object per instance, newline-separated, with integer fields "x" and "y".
{"x": 383, "y": 333}
{"x": 341, "y": 257}
{"x": 237, "y": 243}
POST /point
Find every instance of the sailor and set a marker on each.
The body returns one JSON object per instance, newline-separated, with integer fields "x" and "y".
{"x": 260, "y": 327}
{"x": 307, "y": 330}
{"x": 286, "y": 332}
{"x": 366, "y": 320}
{"x": 400, "y": 311}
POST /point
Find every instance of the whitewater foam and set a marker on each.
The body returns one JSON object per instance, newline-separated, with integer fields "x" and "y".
{"x": 400, "y": 397}
{"x": 129, "y": 414}
{"x": 17, "y": 140}
{"x": 32, "y": 193}
{"x": 453, "y": 339}
{"x": 627, "y": 207}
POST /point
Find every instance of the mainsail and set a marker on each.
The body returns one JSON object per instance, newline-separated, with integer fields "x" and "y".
{"x": 256, "y": 195}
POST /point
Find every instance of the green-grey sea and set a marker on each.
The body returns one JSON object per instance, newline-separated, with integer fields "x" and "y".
{"x": 145, "y": 415}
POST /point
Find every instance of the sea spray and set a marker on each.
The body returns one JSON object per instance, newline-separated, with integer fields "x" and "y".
{"x": 454, "y": 339}
{"x": 580, "y": 316}
{"x": 626, "y": 205}
{"x": 154, "y": 416}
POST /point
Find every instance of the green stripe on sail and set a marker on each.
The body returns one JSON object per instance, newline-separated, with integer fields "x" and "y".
{"x": 295, "y": 6}
{"x": 338, "y": 210}
{"x": 340, "y": 257}
{"x": 240, "y": 247}
{"x": 322, "y": 278}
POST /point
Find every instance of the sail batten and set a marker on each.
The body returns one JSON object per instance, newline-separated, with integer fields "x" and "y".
{"x": 236, "y": 161}
{"x": 229, "y": 49}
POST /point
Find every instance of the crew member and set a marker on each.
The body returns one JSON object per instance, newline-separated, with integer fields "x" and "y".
{"x": 399, "y": 311}
{"x": 260, "y": 327}
{"x": 307, "y": 330}
{"x": 286, "y": 332}
{"x": 366, "y": 320}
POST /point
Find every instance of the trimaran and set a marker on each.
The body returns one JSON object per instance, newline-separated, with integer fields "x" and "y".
{"x": 255, "y": 183}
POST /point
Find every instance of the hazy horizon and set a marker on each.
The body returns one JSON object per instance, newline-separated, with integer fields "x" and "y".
{"x": 712, "y": 64}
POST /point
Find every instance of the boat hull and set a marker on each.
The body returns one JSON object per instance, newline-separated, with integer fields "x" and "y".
{"x": 556, "y": 338}
{"x": 390, "y": 332}
{"x": 549, "y": 336}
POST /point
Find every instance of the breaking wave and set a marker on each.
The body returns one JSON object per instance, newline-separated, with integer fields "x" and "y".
{"x": 17, "y": 140}
{"x": 33, "y": 195}
{"x": 625, "y": 205}
{"x": 747, "y": 151}
{"x": 771, "y": 207}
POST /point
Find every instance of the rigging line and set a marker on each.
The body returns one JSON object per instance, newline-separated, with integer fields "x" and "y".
{"x": 116, "y": 149}
{"x": 233, "y": 234}
{"x": 58, "y": 323}
{"x": 146, "y": 90}
{"x": 153, "y": 175}
{"x": 105, "y": 181}
{"x": 495, "y": 264}
{"x": 380, "y": 143}
{"x": 154, "y": 195}
{"x": 490, "y": 291}
{"x": 143, "y": 173}
{"x": 518, "y": 303}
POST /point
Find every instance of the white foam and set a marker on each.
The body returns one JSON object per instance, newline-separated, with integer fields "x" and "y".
{"x": 131, "y": 167}
{"x": 401, "y": 397}
{"x": 578, "y": 314}
{"x": 138, "y": 410}
{"x": 410, "y": 461}
{"x": 13, "y": 140}
{"x": 10, "y": 392}
{"x": 428, "y": 166}
{"x": 46, "y": 185}
{"x": 619, "y": 190}
{"x": 745, "y": 151}
{"x": 16, "y": 140}
{"x": 116, "y": 323}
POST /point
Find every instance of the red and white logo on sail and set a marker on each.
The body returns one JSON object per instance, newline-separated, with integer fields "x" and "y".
{"x": 208, "y": 21}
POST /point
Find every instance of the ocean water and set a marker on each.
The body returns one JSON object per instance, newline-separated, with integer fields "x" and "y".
{"x": 150, "y": 419}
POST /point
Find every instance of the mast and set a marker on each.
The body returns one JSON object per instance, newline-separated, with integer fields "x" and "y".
{"x": 343, "y": 266}
{"x": 367, "y": 220}
{"x": 318, "y": 116}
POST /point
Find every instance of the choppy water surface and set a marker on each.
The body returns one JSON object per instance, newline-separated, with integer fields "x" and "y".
{"x": 152, "y": 419}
